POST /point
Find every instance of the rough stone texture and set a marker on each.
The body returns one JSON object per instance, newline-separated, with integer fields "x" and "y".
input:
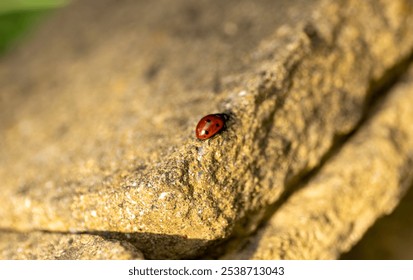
{"x": 342, "y": 200}
{"x": 391, "y": 237}
{"x": 58, "y": 246}
{"x": 98, "y": 112}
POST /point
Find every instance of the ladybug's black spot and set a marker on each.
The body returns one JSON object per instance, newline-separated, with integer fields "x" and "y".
{"x": 208, "y": 120}
{"x": 206, "y": 132}
{"x": 217, "y": 124}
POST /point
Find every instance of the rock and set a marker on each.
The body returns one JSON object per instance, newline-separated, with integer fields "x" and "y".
{"x": 364, "y": 180}
{"x": 390, "y": 238}
{"x": 99, "y": 129}
{"x": 60, "y": 246}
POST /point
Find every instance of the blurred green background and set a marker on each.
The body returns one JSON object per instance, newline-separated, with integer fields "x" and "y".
{"x": 18, "y": 17}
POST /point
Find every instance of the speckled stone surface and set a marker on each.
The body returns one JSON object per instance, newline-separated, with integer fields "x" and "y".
{"x": 391, "y": 237}
{"x": 98, "y": 111}
{"x": 363, "y": 181}
{"x": 60, "y": 246}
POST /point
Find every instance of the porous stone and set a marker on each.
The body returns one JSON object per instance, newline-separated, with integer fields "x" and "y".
{"x": 99, "y": 129}
{"x": 61, "y": 246}
{"x": 390, "y": 238}
{"x": 363, "y": 181}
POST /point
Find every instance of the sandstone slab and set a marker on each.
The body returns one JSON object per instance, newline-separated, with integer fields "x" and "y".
{"x": 61, "y": 246}
{"x": 98, "y": 112}
{"x": 364, "y": 180}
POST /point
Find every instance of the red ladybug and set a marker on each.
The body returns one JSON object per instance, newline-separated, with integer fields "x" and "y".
{"x": 210, "y": 125}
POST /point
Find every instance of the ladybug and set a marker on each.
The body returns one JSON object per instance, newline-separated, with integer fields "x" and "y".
{"x": 210, "y": 125}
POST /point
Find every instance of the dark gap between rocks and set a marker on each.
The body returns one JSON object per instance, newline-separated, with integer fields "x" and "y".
{"x": 142, "y": 241}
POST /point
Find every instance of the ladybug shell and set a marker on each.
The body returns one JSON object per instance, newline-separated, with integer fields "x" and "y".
{"x": 210, "y": 125}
